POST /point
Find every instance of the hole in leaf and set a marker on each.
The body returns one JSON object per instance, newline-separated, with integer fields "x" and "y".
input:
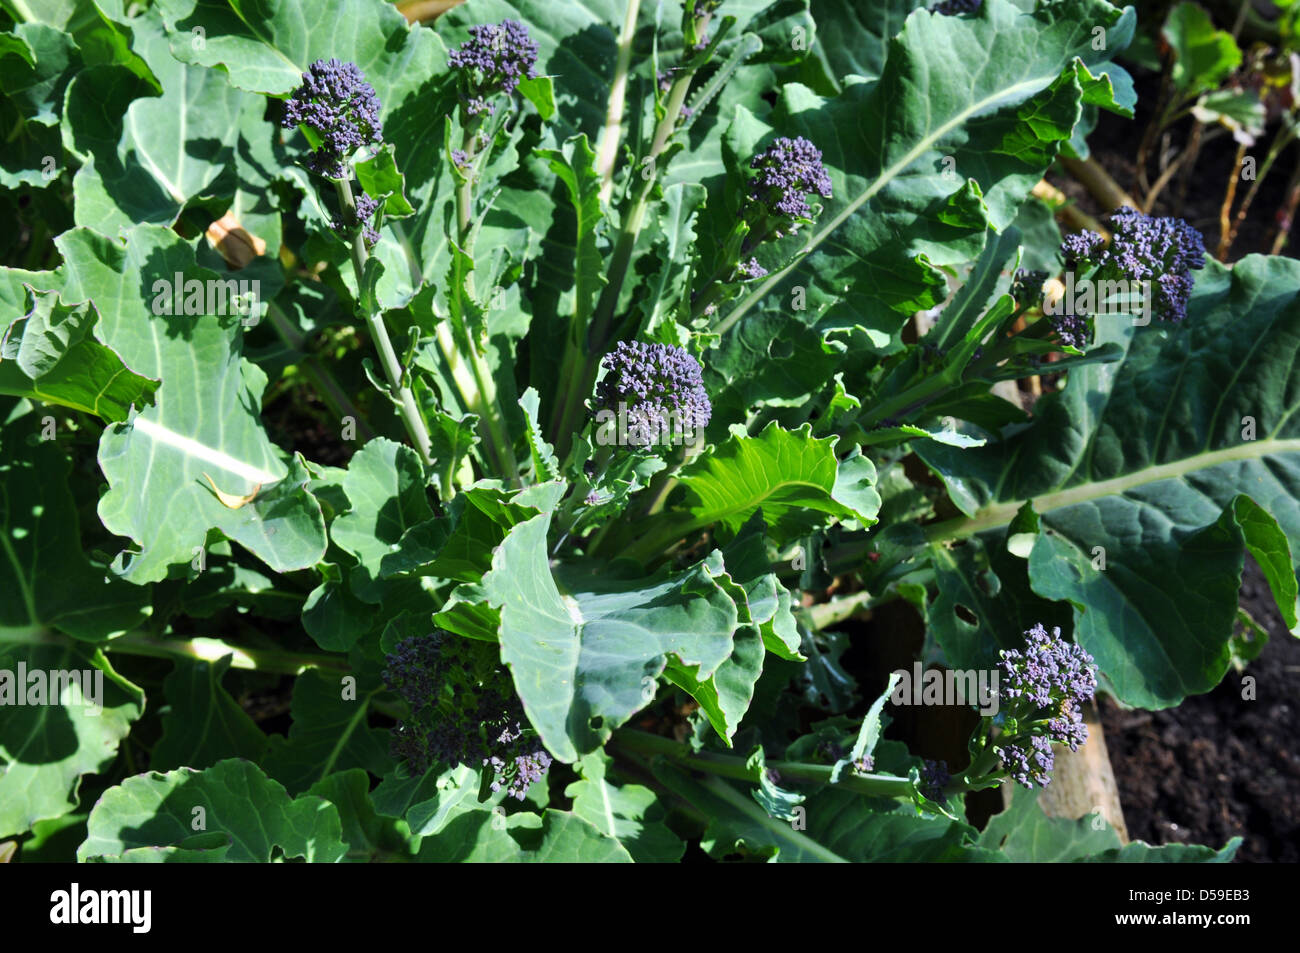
{"x": 966, "y": 615}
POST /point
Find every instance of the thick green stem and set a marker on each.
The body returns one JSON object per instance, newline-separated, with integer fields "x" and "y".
{"x": 407, "y": 409}
{"x": 732, "y": 766}
{"x": 826, "y": 614}
{"x": 200, "y": 649}
{"x": 611, "y": 132}
{"x": 484, "y": 401}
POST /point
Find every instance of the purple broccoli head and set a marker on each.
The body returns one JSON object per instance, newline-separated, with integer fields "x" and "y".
{"x": 660, "y": 388}
{"x": 1029, "y": 763}
{"x": 337, "y": 103}
{"x": 1045, "y": 688}
{"x": 493, "y": 60}
{"x": 788, "y": 171}
{"x": 934, "y": 779}
{"x": 1159, "y": 253}
{"x": 463, "y": 710}
{"x": 1160, "y": 250}
{"x": 1048, "y": 672}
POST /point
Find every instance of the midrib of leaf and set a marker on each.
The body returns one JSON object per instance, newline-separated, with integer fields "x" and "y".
{"x": 886, "y": 177}
{"x": 172, "y": 189}
{"x": 265, "y": 37}
{"x": 345, "y": 735}
{"x": 999, "y": 514}
{"x": 609, "y": 808}
{"x": 783, "y": 831}
{"x": 28, "y": 599}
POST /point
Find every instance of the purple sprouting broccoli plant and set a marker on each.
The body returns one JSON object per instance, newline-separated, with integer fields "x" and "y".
{"x": 1043, "y": 690}
{"x": 660, "y": 389}
{"x": 463, "y": 710}
{"x": 788, "y": 171}
{"x": 363, "y": 219}
{"x": 776, "y": 204}
{"x": 341, "y": 108}
{"x": 1160, "y": 250}
{"x": 493, "y": 60}
{"x": 1159, "y": 254}
{"x": 934, "y": 780}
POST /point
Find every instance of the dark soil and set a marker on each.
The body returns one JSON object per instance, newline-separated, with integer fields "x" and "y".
{"x": 1220, "y": 764}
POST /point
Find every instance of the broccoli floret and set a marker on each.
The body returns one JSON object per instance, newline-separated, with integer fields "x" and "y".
{"x": 788, "y": 171}
{"x": 493, "y": 60}
{"x": 463, "y": 710}
{"x": 1043, "y": 690}
{"x": 659, "y": 387}
{"x": 337, "y": 103}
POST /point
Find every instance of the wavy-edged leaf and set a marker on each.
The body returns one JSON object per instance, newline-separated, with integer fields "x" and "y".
{"x": 205, "y": 418}
{"x": 585, "y": 649}
{"x": 48, "y": 742}
{"x": 51, "y": 355}
{"x": 792, "y": 476}
{"x": 203, "y": 723}
{"x": 46, "y": 578}
{"x": 233, "y": 798}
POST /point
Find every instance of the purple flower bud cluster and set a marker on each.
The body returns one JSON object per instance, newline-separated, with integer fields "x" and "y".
{"x": 788, "y": 171}
{"x": 1072, "y": 329}
{"x": 1163, "y": 250}
{"x": 1049, "y": 671}
{"x": 952, "y": 8}
{"x": 364, "y": 217}
{"x": 1045, "y": 688}
{"x": 660, "y": 387}
{"x": 493, "y": 60}
{"x": 463, "y": 710}
{"x": 522, "y": 765}
{"x": 1027, "y": 286}
{"x": 751, "y": 270}
{"x": 1081, "y": 247}
{"x": 337, "y": 103}
{"x": 1029, "y": 764}
{"x": 934, "y": 779}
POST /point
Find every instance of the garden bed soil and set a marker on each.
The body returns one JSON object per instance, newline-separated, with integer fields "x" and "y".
{"x": 1219, "y": 765}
